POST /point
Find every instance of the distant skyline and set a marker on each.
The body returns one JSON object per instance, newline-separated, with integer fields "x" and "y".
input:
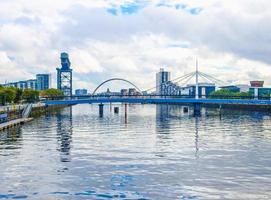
{"x": 133, "y": 39}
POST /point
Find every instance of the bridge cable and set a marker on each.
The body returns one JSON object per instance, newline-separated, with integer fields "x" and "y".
{"x": 207, "y": 78}
{"x": 181, "y": 78}
{"x": 187, "y": 80}
{"x": 214, "y": 79}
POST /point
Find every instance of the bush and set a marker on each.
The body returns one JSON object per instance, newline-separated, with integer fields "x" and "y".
{"x": 51, "y": 93}
{"x": 227, "y": 94}
{"x": 30, "y": 95}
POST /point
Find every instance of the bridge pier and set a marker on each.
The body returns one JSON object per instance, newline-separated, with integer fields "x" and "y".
{"x": 220, "y": 111}
{"x": 125, "y": 113}
{"x": 116, "y": 110}
{"x": 197, "y": 109}
{"x": 101, "y": 110}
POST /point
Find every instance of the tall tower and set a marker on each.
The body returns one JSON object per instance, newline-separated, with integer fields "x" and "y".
{"x": 197, "y": 81}
{"x": 64, "y": 75}
{"x": 162, "y": 77}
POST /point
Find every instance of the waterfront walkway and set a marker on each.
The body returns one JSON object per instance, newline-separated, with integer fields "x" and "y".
{"x": 20, "y": 107}
{"x": 12, "y": 123}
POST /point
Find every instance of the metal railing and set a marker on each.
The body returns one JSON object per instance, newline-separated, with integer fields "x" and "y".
{"x": 75, "y": 97}
{"x": 27, "y": 110}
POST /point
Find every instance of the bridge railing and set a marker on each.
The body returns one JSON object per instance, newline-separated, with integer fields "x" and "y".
{"x": 74, "y": 97}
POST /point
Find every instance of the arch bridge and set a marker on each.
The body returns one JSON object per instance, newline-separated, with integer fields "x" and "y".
{"x": 116, "y": 79}
{"x": 250, "y": 101}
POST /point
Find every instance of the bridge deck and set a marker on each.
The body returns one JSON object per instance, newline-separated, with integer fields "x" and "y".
{"x": 159, "y": 101}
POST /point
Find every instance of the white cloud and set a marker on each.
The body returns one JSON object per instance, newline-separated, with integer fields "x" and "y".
{"x": 228, "y": 37}
{"x": 8, "y": 68}
{"x": 84, "y": 62}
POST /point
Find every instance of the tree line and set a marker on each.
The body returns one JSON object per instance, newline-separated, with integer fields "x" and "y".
{"x": 228, "y": 94}
{"x": 15, "y": 95}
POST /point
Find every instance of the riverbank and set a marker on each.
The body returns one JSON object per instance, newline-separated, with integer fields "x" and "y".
{"x": 14, "y": 114}
{"x": 13, "y": 123}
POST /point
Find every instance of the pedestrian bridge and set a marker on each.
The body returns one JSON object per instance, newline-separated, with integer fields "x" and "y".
{"x": 155, "y": 100}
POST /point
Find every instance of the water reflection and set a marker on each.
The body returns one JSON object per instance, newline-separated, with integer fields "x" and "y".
{"x": 171, "y": 117}
{"x": 162, "y": 116}
{"x": 11, "y": 138}
{"x": 161, "y": 153}
{"x": 196, "y": 137}
{"x": 64, "y": 133}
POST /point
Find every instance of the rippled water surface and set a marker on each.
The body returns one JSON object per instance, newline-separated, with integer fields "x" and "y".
{"x": 158, "y": 152}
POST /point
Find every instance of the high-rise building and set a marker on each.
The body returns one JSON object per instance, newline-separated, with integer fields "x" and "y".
{"x": 32, "y": 84}
{"x": 64, "y": 75}
{"x": 162, "y": 77}
{"x": 43, "y": 81}
{"x": 81, "y": 92}
{"x": 22, "y": 85}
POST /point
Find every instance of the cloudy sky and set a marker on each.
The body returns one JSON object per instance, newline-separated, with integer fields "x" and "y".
{"x": 133, "y": 39}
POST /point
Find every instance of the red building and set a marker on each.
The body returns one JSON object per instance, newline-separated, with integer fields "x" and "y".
{"x": 256, "y": 83}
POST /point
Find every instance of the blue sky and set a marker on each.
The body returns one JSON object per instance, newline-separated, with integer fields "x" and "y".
{"x": 133, "y": 39}
{"x": 134, "y": 7}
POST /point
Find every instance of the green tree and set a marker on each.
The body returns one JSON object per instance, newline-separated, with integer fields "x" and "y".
{"x": 51, "y": 93}
{"x": 19, "y": 94}
{"x": 227, "y": 94}
{"x": 7, "y": 95}
{"x": 244, "y": 95}
{"x": 30, "y": 95}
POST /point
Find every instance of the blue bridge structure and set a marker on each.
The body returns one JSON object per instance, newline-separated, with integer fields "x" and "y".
{"x": 140, "y": 98}
{"x": 196, "y": 103}
{"x": 152, "y": 99}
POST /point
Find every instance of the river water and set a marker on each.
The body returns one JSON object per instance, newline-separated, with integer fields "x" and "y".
{"x": 157, "y": 152}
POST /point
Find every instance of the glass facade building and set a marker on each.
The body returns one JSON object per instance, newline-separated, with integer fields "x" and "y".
{"x": 164, "y": 86}
{"x": 162, "y": 78}
{"x": 81, "y": 92}
{"x": 31, "y": 84}
{"x": 260, "y": 92}
{"x": 205, "y": 89}
{"x": 43, "y": 81}
{"x": 22, "y": 85}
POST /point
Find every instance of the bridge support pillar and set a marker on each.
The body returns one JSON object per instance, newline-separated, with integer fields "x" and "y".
{"x": 220, "y": 111}
{"x": 101, "y": 110}
{"x": 116, "y": 110}
{"x": 125, "y": 113}
{"x": 197, "y": 109}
